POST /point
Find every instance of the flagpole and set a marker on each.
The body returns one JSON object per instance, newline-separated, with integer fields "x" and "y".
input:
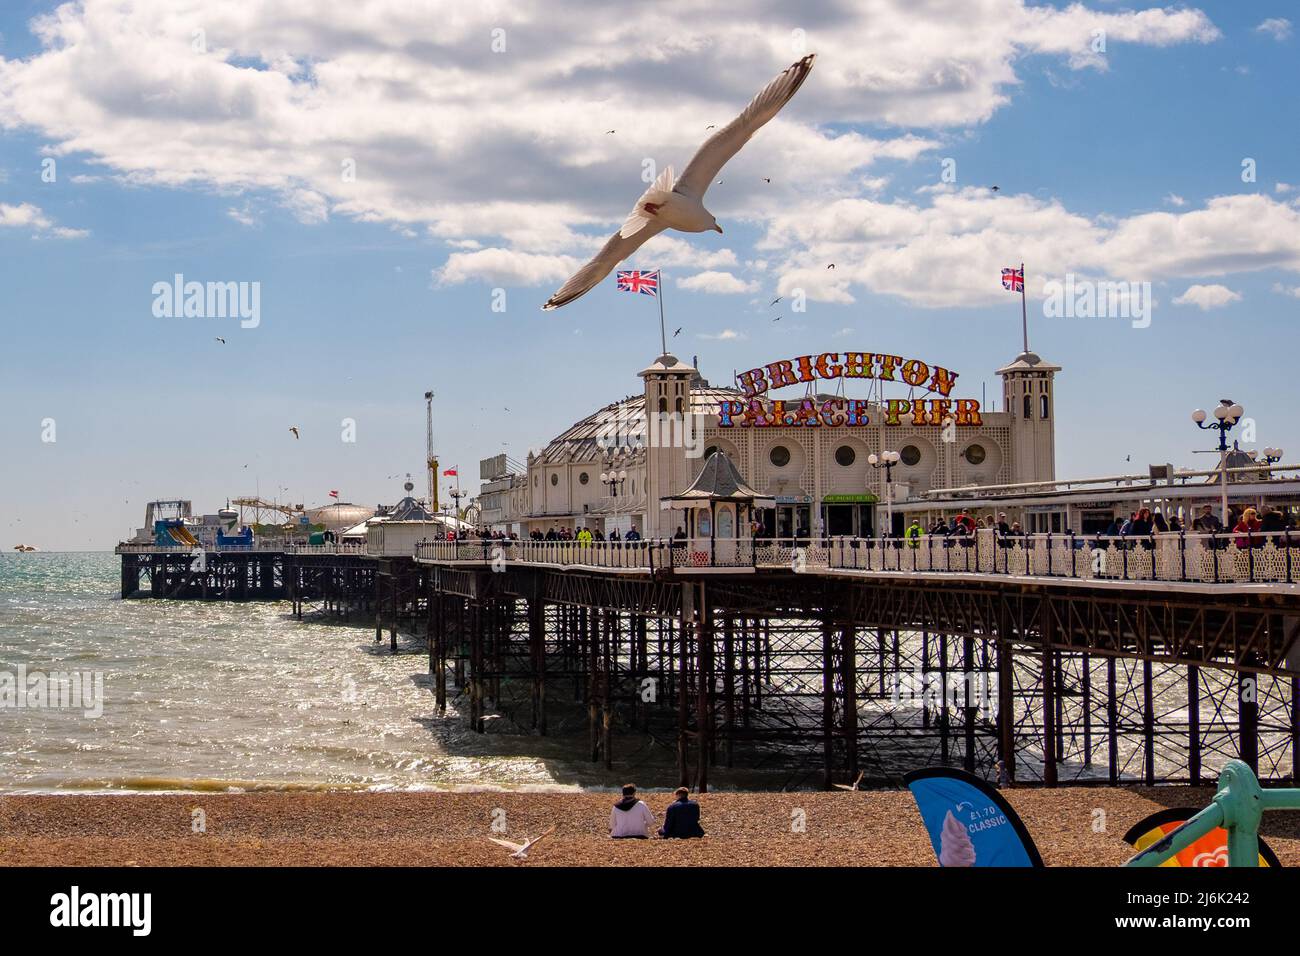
{"x": 1024, "y": 312}
{"x": 663, "y": 335}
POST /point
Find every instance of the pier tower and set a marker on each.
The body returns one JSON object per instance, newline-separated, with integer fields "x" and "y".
{"x": 1030, "y": 401}
{"x": 667, "y": 406}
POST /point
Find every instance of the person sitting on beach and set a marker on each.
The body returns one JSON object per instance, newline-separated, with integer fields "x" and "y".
{"x": 630, "y": 818}
{"x": 682, "y": 818}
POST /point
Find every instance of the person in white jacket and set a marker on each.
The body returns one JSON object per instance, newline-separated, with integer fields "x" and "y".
{"x": 631, "y": 818}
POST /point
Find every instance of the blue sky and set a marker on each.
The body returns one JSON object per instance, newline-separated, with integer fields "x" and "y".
{"x": 1123, "y": 165}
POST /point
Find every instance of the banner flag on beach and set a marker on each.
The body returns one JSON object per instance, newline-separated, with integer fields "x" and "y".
{"x": 450, "y": 473}
{"x": 1209, "y": 850}
{"x": 969, "y": 822}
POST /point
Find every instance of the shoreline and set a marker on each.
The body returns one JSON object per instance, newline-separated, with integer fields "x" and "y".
{"x": 451, "y": 828}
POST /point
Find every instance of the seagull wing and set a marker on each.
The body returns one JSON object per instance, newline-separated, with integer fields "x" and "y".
{"x": 516, "y": 847}
{"x": 610, "y": 255}
{"x": 727, "y": 142}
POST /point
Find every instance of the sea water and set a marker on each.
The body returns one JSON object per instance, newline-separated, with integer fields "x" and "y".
{"x": 226, "y": 696}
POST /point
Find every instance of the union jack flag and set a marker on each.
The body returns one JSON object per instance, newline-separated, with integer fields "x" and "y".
{"x": 647, "y": 283}
{"x": 1013, "y": 280}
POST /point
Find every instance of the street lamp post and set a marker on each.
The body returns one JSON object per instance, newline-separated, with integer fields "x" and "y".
{"x": 1272, "y": 455}
{"x": 1228, "y": 413}
{"x": 613, "y": 482}
{"x": 886, "y": 460}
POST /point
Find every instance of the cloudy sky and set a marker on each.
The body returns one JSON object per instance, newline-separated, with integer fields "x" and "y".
{"x": 408, "y": 181}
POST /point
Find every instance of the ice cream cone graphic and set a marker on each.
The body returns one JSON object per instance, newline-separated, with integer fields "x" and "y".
{"x": 955, "y": 847}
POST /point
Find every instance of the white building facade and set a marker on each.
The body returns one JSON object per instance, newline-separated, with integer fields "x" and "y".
{"x": 808, "y": 449}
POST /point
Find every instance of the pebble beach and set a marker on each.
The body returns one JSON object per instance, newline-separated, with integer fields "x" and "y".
{"x": 450, "y": 828}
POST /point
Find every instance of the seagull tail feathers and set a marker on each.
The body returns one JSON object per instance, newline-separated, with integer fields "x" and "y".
{"x": 658, "y": 192}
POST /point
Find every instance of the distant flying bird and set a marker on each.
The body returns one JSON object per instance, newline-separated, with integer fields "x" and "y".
{"x": 854, "y": 786}
{"x": 672, "y": 203}
{"x": 678, "y": 332}
{"x": 710, "y": 126}
{"x": 777, "y": 319}
{"x": 520, "y": 850}
{"x": 994, "y": 188}
{"x": 831, "y": 266}
{"x": 294, "y": 429}
{"x": 775, "y": 301}
{"x": 608, "y": 131}
{"x": 767, "y": 179}
{"x": 220, "y": 339}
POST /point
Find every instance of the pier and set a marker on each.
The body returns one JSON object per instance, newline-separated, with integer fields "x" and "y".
{"x": 1099, "y": 661}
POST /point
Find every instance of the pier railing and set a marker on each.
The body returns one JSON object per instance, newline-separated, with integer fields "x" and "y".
{"x": 260, "y": 545}
{"x": 642, "y": 555}
{"x": 1262, "y": 557}
{"x": 1255, "y": 557}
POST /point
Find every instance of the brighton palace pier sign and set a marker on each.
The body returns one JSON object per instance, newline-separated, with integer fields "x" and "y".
{"x": 756, "y": 411}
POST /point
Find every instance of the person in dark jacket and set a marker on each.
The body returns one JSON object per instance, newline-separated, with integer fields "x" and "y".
{"x": 682, "y": 818}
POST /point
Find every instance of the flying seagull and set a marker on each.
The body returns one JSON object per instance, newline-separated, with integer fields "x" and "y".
{"x": 220, "y": 339}
{"x": 774, "y": 301}
{"x": 678, "y": 332}
{"x": 831, "y": 266}
{"x": 520, "y": 850}
{"x": 672, "y": 203}
{"x": 294, "y": 429}
{"x": 854, "y": 785}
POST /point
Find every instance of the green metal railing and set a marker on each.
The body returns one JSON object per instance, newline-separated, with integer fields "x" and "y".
{"x": 1238, "y": 807}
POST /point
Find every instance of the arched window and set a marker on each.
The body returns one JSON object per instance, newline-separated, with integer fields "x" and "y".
{"x": 679, "y": 404}
{"x": 1028, "y": 408}
{"x": 663, "y": 404}
{"x": 1042, "y": 406}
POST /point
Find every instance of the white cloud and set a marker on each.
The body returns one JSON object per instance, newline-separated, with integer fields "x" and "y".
{"x": 504, "y": 266}
{"x": 1279, "y": 28}
{"x": 1282, "y": 188}
{"x": 717, "y": 283}
{"x": 726, "y": 335}
{"x": 243, "y": 215}
{"x": 33, "y": 218}
{"x": 950, "y": 253}
{"x": 1206, "y": 297}
{"x": 1174, "y": 199}
{"x": 509, "y": 148}
{"x": 1291, "y": 290}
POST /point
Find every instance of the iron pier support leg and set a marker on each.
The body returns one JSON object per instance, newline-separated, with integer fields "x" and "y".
{"x": 537, "y": 642}
{"x": 828, "y": 699}
{"x": 704, "y": 692}
{"x": 1048, "y": 683}
{"x": 1112, "y": 723}
{"x": 849, "y": 663}
{"x": 684, "y": 628}
{"x": 1248, "y": 718}
{"x": 1148, "y": 724}
{"x": 1006, "y": 703}
{"x": 1194, "y": 725}
{"x": 971, "y": 709}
